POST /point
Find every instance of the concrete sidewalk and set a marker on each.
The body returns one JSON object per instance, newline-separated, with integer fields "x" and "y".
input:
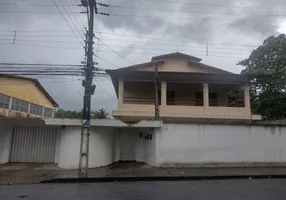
{"x": 50, "y": 173}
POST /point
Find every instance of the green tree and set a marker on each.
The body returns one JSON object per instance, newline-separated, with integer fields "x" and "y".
{"x": 61, "y": 113}
{"x": 100, "y": 114}
{"x": 268, "y": 93}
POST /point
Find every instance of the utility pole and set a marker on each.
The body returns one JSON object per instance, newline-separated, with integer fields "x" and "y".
{"x": 89, "y": 89}
{"x": 157, "y": 112}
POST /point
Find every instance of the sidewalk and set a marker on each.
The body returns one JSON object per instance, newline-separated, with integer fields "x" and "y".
{"x": 50, "y": 173}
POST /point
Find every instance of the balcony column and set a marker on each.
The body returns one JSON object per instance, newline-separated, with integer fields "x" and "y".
{"x": 120, "y": 92}
{"x": 163, "y": 93}
{"x": 206, "y": 95}
{"x": 246, "y": 96}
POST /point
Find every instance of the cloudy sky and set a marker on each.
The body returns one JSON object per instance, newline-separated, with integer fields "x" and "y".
{"x": 136, "y": 30}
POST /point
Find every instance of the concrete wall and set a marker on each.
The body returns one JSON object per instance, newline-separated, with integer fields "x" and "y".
{"x": 5, "y": 142}
{"x": 100, "y": 148}
{"x": 187, "y": 144}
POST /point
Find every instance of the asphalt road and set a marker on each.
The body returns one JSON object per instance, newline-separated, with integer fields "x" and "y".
{"x": 270, "y": 189}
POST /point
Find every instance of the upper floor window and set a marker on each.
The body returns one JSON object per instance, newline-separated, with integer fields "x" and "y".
{"x": 4, "y": 101}
{"x": 213, "y": 99}
{"x": 20, "y": 105}
{"x": 36, "y": 109}
{"x": 199, "y": 99}
{"x": 48, "y": 112}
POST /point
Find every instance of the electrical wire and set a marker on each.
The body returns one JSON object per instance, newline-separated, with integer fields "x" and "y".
{"x": 83, "y": 24}
{"x": 76, "y": 19}
{"x": 168, "y": 40}
{"x": 42, "y": 41}
{"x": 186, "y": 18}
{"x": 194, "y": 11}
{"x": 114, "y": 51}
{"x": 67, "y": 22}
{"x": 42, "y": 46}
{"x": 208, "y": 4}
{"x": 108, "y": 62}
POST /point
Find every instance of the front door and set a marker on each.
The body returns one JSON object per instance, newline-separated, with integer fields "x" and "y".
{"x": 128, "y": 138}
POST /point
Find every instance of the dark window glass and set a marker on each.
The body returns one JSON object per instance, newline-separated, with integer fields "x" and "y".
{"x": 20, "y": 105}
{"x": 4, "y": 101}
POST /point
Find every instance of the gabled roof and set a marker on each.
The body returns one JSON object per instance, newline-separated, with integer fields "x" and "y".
{"x": 134, "y": 67}
{"x": 36, "y": 82}
{"x": 176, "y": 55}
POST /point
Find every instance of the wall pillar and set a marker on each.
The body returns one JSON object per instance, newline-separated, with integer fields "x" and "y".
{"x": 163, "y": 93}
{"x": 206, "y": 95}
{"x": 120, "y": 92}
{"x": 246, "y": 97}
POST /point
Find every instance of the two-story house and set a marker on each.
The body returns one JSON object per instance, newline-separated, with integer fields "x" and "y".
{"x": 24, "y": 97}
{"x": 188, "y": 91}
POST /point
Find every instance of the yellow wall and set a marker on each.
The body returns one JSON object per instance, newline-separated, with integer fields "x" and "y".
{"x": 25, "y": 90}
{"x": 175, "y": 65}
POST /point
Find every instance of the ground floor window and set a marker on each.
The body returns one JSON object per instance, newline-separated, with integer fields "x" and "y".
{"x": 48, "y": 112}
{"x": 36, "y": 109}
{"x": 4, "y": 101}
{"x": 20, "y": 105}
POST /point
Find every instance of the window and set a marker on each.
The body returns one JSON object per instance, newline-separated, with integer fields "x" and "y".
{"x": 213, "y": 99}
{"x": 36, "y": 109}
{"x": 4, "y": 101}
{"x": 199, "y": 99}
{"x": 20, "y": 105}
{"x": 170, "y": 98}
{"x": 48, "y": 112}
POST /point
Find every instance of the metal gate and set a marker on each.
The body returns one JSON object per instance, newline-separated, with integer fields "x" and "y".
{"x": 128, "y": 137}
{"x": 34, "y": 144}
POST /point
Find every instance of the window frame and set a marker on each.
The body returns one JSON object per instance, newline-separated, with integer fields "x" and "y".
{"x": 19, "y": 105}
{"x": 4, "y": 101}
{"x": 36, "y": 107}
{"x": 50, "y": 110}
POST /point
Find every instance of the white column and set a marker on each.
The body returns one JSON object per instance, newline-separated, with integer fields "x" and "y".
{"x": 163, "y": 93}
{"x": 10, "y": 103}
{"x": 206, "y": 94}
{"x": 246, "y": 96}
{"x": 120, "y": 92}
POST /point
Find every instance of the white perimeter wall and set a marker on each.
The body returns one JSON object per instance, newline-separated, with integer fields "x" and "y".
{"x": 100, "y": 147}
{"x": 178, "y": 144}
{"x": 5, "y": 142}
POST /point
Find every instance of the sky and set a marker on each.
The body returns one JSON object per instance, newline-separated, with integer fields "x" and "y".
{"x": 135, "y": 31}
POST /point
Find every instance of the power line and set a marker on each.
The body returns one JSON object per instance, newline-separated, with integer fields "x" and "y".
{"x": 173, "y": 49}
{"x": 184, "y": 41}
{"x": 208, "y": 4}
{"x": 194, "y": 11}
{"x": 29, "y": 12}
{"x": 74, "y": 8}
{"x": 43, "y": 46}
{"x": 185, "y": 18}
{"x": 68, "y": 22}
{"x": 114, "y": 51}
{"x": 172, "y": 45}
{"x": 65, "y": 36}
{"x": 108, "y": 62}
{"x": 76, "y": 19}
{"x": 41, "y": 64}
{"x": 40, "y": 5}
{"x": 42, "y": 41}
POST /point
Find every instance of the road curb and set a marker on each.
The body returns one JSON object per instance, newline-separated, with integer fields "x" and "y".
{"x": 159, "y": 178}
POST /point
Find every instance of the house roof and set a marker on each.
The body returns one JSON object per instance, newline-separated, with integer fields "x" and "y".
{"x": 36, "y": 82}
{"x": 176, "y": 55}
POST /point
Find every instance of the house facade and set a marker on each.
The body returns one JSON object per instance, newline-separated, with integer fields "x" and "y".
{"x": 188, "y": 90}
{"x": 24, "y": 97}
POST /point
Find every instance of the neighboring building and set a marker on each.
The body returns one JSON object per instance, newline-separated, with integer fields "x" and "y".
{"x": 24, "y": 97}
{"x": 188, "y": 90}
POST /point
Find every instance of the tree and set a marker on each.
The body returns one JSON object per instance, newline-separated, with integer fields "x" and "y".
{"x": 268, "y": 93}
{"x": 100, "y": 114}
{"x": 61, "y": 113}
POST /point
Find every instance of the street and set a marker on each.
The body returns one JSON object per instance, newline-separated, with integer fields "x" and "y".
{"x": 195, "y": 190}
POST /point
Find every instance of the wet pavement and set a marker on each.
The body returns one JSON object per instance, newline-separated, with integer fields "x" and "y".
{"x": 35, "y": 173}
{"x": 270, "y": 189}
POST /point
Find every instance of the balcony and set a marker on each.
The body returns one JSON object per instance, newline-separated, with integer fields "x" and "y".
{"x": 180, "y": 102}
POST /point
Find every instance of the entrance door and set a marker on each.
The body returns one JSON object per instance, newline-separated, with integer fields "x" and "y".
{"x": 34, "y": 144}
{"x": 128, "y": 137}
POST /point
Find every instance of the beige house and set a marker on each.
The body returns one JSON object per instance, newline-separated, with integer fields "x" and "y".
{"x": 188, "y": 91}
{"x": 24, "y": 97}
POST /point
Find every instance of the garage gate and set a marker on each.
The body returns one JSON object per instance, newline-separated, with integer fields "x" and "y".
{"x": 34, "y": 144}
